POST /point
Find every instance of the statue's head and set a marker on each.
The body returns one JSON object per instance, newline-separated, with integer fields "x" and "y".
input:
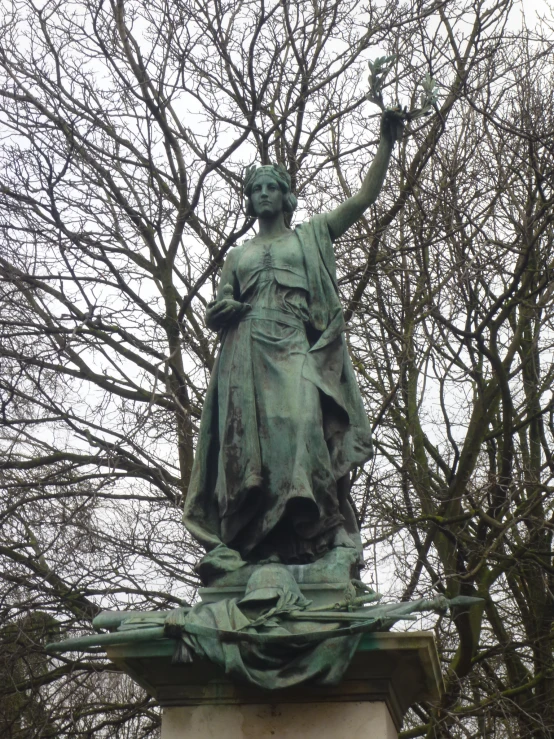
{"x": 279, "y": 175}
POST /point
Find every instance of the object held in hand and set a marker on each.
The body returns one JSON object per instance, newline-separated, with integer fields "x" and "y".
{"x": 379, "y": 70}
{"x": 227, "y": 292}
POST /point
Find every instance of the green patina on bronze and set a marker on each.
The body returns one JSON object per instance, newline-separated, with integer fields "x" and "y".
{"x": 258, "y": 638}
{"x": 283, "y": 423}
{"x": 282, "y": 427}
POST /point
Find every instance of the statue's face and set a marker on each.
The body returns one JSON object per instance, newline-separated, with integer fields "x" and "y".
{"x": 266, "y": 197}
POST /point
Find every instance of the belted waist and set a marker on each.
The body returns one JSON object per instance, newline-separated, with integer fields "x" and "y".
{"x": 271, "y": 314}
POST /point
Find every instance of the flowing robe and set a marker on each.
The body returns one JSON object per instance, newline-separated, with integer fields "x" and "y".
{"x": 283, "y": 422}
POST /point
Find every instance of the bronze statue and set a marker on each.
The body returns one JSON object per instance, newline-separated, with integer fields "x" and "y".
{"x": 283, "y": 423}
{"x": 282, "y": 427}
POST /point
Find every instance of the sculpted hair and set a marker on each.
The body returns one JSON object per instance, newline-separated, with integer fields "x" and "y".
{"x": 281, "y": 177}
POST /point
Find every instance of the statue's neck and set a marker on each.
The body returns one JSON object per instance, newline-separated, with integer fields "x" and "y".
{"x": 272, "y": 228}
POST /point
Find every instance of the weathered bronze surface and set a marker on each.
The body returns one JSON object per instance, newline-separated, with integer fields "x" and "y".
{"x": 282, "y": 427}
{"x": 283, "y": 423}
{"x": 271, "y": 638}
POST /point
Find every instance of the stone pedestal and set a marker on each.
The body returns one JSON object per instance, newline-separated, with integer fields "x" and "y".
{"x": 389, "y": 672}
{"x": 280, "y": 721}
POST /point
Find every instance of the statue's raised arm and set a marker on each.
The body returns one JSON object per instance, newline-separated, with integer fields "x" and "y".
{"x": 347, "y": 213}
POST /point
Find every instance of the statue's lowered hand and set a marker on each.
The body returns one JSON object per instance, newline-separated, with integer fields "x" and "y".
{"x": 221, "y": 313}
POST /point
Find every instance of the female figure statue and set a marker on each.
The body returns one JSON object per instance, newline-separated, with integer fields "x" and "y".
{"x": 283, "y": 423}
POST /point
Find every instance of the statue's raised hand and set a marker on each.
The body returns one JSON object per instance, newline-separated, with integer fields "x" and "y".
{"x": 392, "y": 124}
{"x": 222, "y": 312}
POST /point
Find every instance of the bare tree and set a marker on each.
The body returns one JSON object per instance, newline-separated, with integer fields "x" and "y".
{"x": 126, "y": 127}
{"x": 457, "y": 338}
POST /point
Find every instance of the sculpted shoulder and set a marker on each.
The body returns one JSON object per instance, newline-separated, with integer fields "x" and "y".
{"x": 233, "y": 256}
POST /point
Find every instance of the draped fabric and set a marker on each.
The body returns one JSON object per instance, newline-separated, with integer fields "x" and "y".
{"x": 269, "y": 666}
{"x": 283, "y": 422}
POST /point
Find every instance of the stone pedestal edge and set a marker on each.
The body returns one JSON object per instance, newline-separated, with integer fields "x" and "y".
{"x": 395, "y": 668}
